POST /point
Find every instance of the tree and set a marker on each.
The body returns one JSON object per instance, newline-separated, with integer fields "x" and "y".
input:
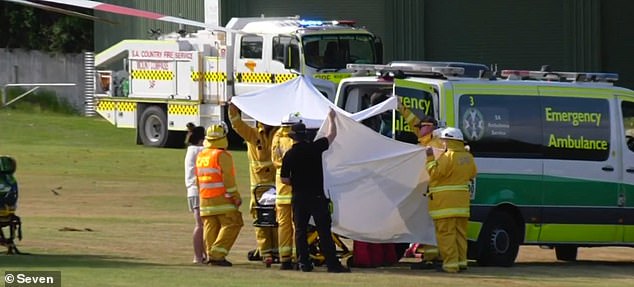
{"x": 34, "y": 29}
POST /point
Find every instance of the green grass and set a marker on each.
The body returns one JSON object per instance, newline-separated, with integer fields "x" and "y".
{"x": 39, "y": 101}
{"x": 128, "y": 202}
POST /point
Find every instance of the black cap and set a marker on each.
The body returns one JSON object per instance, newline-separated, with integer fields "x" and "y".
{"x": 298, "y": 132}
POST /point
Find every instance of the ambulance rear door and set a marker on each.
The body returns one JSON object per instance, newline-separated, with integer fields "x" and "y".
{"x": 626, "y": 192}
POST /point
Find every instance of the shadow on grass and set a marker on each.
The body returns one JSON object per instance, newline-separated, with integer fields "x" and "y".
{"x": 70, "y": 260}
{"x": 544, "y": 270}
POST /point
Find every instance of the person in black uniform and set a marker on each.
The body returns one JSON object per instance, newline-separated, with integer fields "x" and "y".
{"x": 302, "y": 169}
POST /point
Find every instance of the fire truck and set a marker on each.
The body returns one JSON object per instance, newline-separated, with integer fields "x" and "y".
{"x": 181, "y": 78}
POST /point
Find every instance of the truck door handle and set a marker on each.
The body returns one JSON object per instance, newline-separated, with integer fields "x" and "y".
{"x": 607, "y": 168}
{"x": 630, "y": 170}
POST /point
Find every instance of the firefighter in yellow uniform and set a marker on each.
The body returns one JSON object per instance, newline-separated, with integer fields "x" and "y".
{"x": 219, "y": 196}
{"x": 424, "y": 130}
{"x": 262, "y": 172}
{"x": 285, "y": 230}
{"x": 449, "y": 178}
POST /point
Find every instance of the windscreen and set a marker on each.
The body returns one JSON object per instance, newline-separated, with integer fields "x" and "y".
{"x": 335, "y": 51}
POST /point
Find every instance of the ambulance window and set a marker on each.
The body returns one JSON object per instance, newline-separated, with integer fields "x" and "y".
{"x": 251, "y": 47}
{"x": 501, "y": 126}
{"x": 575, "y": 128}
{"x": 628, "y": 123}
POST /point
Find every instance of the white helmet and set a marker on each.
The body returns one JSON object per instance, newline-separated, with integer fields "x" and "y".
{"x": 291, "y": 119}
{"x": 451, "y": 134}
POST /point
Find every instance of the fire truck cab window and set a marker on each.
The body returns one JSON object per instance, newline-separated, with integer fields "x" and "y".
{"x": 251, "y": 47}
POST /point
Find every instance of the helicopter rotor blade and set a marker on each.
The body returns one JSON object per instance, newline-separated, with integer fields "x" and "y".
{"x": 61, "y": 11}
{"x": 116, "y": 9}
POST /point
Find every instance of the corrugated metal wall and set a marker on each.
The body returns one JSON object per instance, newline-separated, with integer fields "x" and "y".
{"x": 575, "y": 35}
{"x": 519, "y": 34}
{"x": 128, "y": 27}
{"x": 617, "y": 45}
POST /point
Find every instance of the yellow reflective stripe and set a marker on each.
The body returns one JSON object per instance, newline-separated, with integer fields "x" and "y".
{"x": 211, "y": 185}
{"x": 216, "y": 209}
{"x": 219, "y": 250}
{"x": 206, "y": 170}
{"x": 285, "y": 250}
{"x": 463, "y": 264}
{"x": 457, "y": 187}
{"x": 431, "y": 164}
{"x": 232, "y": 189}
{"x": 280, "y": 197}
{"x": 278, "y": 171}
{"x": 449, "y": 212}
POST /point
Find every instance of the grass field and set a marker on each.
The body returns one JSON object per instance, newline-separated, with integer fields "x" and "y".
{"x": 120, "y": 218}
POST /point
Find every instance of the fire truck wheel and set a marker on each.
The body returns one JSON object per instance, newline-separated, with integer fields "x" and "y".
{"x": 153, "y": 127}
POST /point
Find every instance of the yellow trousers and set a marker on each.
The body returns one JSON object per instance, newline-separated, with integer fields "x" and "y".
{"x": 220, "y": 233}
{"x": 451, "y": 234}
{"x": 267, "y": 241}
{"x": 285, "y": 231}
{"x": 430, "y": 253}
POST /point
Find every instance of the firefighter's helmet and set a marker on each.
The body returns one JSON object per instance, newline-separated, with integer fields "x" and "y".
{"x": 451, "y": 134}
{"x": 217, "y": 131}
{"x": 291, "y": 119}
{"x": 217, "y": 136}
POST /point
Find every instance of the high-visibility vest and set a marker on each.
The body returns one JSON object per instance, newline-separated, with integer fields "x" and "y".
{"x": 209, "y": 174}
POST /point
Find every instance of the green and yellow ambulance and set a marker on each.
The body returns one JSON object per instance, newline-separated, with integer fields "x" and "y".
{"x": 554, "y": 150}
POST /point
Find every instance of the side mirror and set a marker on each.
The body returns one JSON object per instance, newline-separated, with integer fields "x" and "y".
{"x": 291, "y": 59}
{"x": 378, "y": 49}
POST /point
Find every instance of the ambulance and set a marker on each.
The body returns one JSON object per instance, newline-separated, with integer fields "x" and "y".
{"x": 554, "y": 150}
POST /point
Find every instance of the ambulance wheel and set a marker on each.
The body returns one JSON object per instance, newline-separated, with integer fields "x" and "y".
{"x": 566, "y": 252}
{"x": 153, "y": 127}
{"x": 498, "y": 243}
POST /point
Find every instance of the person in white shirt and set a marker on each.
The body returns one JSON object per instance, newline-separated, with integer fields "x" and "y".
{"x": 195, "y": 145}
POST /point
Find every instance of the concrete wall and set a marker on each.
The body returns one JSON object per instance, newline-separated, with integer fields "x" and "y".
{"x": 21, "y": 66}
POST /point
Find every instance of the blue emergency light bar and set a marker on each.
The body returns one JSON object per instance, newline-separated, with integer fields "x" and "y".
{"x": 310, "y": 23}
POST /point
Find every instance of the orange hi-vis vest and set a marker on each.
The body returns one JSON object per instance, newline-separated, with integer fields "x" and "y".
{"x": 209, "y": 174}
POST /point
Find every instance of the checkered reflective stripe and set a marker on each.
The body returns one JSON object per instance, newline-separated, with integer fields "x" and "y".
{"x": 152, "y": 75}
{"x": 254, "y": 78}
{"x": 178, "y": 109}
{"x": 263, "y": 78}
{"x": 209, "y": 76}
{"x": 105, "y": 105}
{"x": 281, "y": 78}
{"x": 126, "y": 106}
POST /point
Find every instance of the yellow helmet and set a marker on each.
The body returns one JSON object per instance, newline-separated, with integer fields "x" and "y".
{"x": 216, "y": 136}
{"x": 217, "y": 131}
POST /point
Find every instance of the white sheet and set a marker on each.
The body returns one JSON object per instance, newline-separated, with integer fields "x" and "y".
{"x": 270, "y": 105}
{"x": 377, "y": 186}
{"x": 374, "y": 181}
